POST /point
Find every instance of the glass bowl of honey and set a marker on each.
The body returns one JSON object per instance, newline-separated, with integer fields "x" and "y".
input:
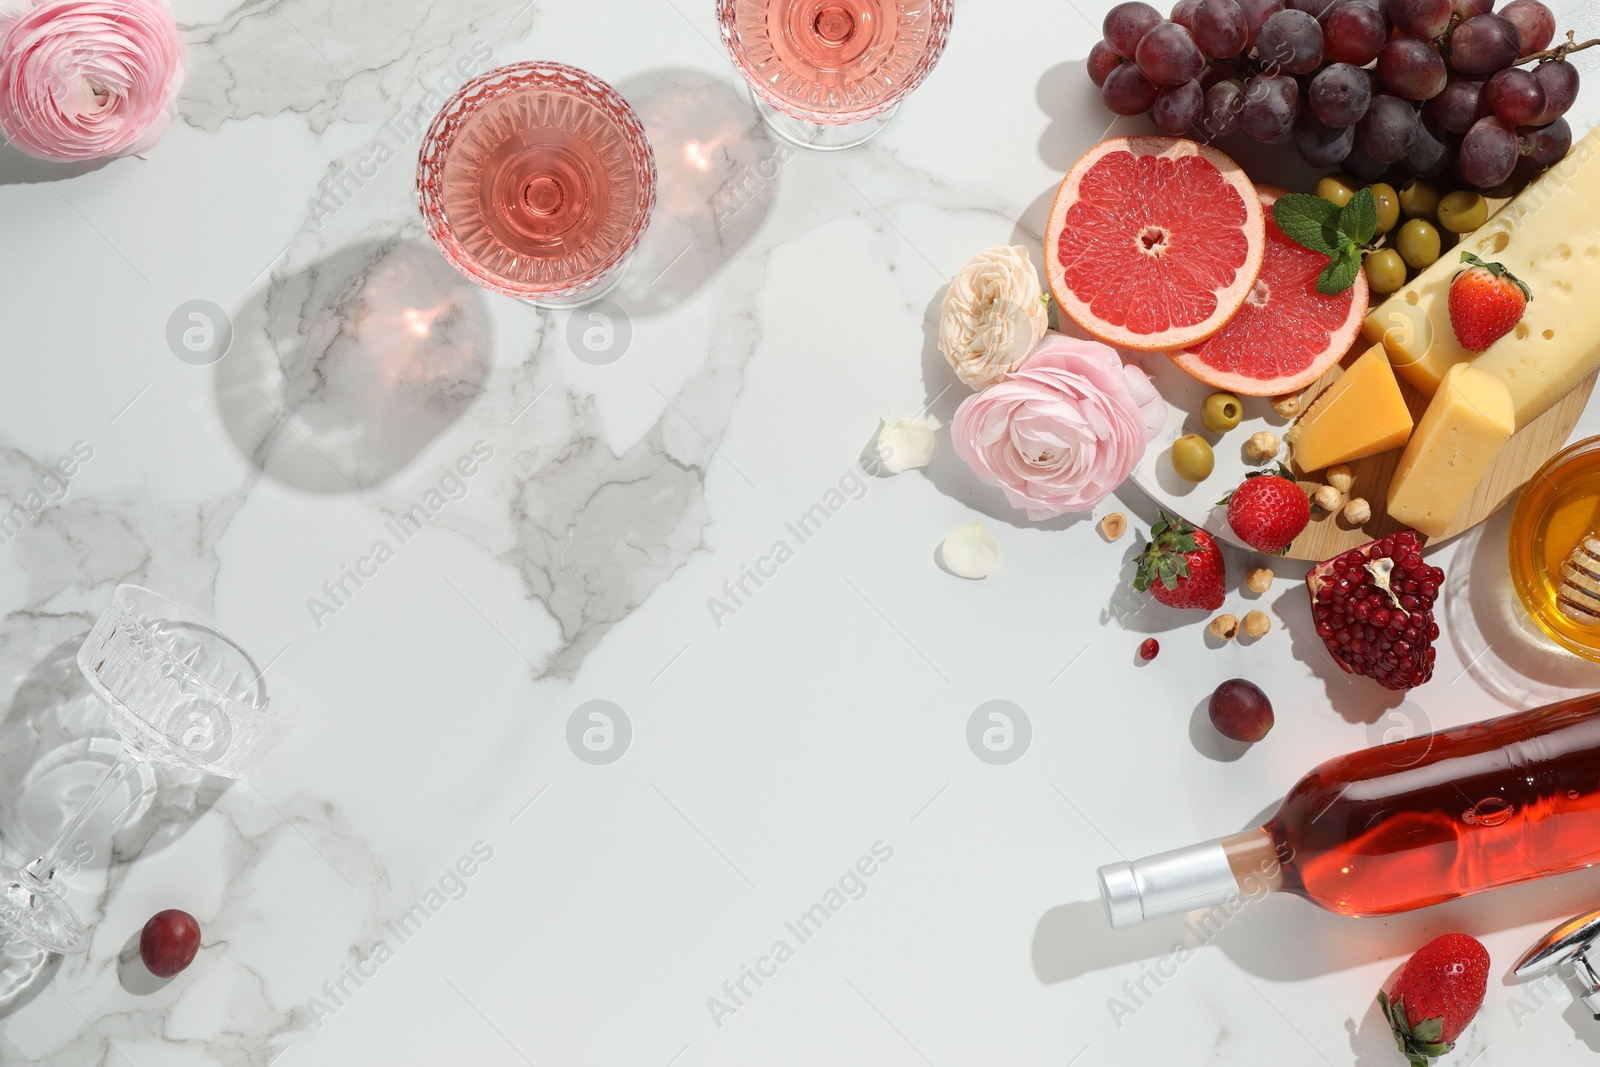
{"x": 1555, "y": 548}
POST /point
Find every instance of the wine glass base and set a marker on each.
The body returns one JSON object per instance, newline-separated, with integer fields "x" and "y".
{"x": 31, "y": 910}
{"x": 821, "y": 138}
{"x": 595, "y": 292}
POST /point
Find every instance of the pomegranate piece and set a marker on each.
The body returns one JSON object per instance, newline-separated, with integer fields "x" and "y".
{"x": 169, "y": 942}
{"x": 1240, "y": 710}
{"x": 1373, "y": 608}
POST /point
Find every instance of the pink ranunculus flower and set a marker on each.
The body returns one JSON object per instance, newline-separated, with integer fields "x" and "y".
{"x": 83, "y": 79}
{"x": 1061, "y": 431}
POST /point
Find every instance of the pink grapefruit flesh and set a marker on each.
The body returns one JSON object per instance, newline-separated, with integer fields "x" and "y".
{"x": 1153, "y": 243}
{"x": 1287, "y": 335}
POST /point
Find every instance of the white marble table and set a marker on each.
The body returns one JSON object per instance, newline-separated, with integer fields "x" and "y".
{"x": 577, "y": 911}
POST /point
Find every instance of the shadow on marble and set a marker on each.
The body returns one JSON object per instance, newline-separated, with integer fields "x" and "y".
{"x": 25, "y": 970}
{"x": 342, "y": 372}
{"x": 1077, "y": 114}
{"x": 1493, "y": 634}
{"x": 19, "y": 168}
{"x": 717, "y": 173}
{"x": 132, "y": 974}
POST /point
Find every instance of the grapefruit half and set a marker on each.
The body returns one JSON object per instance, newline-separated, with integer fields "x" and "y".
{"x": 1287, "y": 335}
{"x": 1153, "y": 243}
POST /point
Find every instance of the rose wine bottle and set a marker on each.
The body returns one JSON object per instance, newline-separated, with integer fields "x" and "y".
{"x": 1402, "y": 825}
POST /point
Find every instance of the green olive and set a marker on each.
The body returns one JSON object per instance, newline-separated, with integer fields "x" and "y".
{"x": 1418, "y": 244}
{"x": 1463, "y": 212}
{"x": 1386, "y": 271}
{"x": 1192, "y": 458}
{"x": 1337, "y": 189}
{"x": 1388, "y": 206}
{"x": 1221, "y": 412}
{"x": 1419, "y": 199}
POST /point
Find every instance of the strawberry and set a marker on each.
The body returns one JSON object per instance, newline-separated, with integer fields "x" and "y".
{"x": 1268, "y": 510}
{"x": 1181, "y": 566}
{"x": 1486, "y": 301}
{"x": 1437, "y": 994}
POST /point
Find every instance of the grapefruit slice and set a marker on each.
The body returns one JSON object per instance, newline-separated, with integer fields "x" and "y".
{"x": 1153, "y": 242}
{"x": 1287, "y": 335}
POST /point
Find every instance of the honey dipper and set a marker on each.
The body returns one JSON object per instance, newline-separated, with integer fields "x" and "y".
{"x": 1579, "y": 595}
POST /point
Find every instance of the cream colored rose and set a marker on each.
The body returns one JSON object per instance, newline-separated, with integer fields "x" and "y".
{"x": 993, "y": 315}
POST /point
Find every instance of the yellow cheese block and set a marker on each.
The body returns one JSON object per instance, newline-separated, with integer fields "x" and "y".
{"x": 1360, "y": 414}
{"x": 1469, "y": 421}
{"x": 1550, "y": 238}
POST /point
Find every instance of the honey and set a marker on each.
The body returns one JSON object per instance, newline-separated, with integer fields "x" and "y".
{"x": 1558, "y": 509}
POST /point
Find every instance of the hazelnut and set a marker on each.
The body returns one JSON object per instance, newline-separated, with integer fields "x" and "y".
{"x": 1328, "y": 498}
{"x": 1262, "y": 445}
{"x": 1114, "y": 525}
{"x": 1256, "y": 623}
{"x": 1259, "y": 580}
{"x": 1287, "y": 406}
{"x": 1357, "y": 511}
{"x": 1224, "y": 627}
{"x": 1340, "y": 477}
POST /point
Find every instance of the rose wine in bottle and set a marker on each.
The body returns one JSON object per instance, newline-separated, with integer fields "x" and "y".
{"x": 1402, "y": 825}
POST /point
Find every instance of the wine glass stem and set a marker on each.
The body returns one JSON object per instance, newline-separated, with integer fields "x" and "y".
{"x": 44, "y": 868}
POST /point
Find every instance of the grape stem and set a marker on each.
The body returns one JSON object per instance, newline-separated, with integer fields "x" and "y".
{"x": 1560, "y": 51}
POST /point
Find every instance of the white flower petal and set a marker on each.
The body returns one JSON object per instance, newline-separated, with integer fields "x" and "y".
{"x": 905, "y": 444}
{"x": 970, "y": 551}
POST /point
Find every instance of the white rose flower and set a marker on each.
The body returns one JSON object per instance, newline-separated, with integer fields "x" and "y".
{"x": 993, "y": 315}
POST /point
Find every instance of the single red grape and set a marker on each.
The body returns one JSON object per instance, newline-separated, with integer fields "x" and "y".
{"x": 1422, "y": 19}
{"x": 1387, "y": 130}
{"x": 1240, "y": 710}
{"x": 168, "y": 942}
{"x": 1547, "y": 145}
{"x": 1126, "y": 24}
{"x": 1290, "y": 42}
{"x": 1560, "y": 81}
{"x": 1321, "y": 145}
{"x": 1412, "y": 69}
{"x": 1178, "y": 109}
{"x": 1127, "y": 92}
{"x": 1224, "y": 101}
{"x": 1459, "y": 106}
{"x": 1489, "y": 152}
{"x": 1516, "y": 95}
{"x": 1271, "y": 102}
{"x": 1340, "y": 95}
{"x": 1534, "y": 21}
{"x": 1168, "y": 56}
{"x": 1103, "y": 59}
{"x": 1256, "y": 12}
{"x": 1220, "y": 28}
{"x": 1355, "y": 34}
{"x": 1484, "y": 44}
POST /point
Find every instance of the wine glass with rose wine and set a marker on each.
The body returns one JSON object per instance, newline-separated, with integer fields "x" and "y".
{"x": 180, "y": 693}
{"x": 829, "y": 74}
{"x": 536, "y": 180}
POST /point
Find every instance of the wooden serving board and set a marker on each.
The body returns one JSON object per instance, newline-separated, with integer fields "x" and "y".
{"x": 1525, "y": 453}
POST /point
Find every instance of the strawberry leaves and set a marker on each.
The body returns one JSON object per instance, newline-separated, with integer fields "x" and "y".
{"x": 1341, "y": 234}
{"x": 1496, "y": 269}
{"x": 1416, "y": 1043}
{"x": 1165, "y": 559}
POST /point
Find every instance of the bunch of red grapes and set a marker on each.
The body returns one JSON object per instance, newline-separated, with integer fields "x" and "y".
{"x": 1364, "y": 84}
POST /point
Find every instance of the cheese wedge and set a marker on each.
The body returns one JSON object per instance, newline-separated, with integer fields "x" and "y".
{"x": 1550, "y": 238}
{"x": 1461, "y": 433}
{"x": 1360, "y": 414}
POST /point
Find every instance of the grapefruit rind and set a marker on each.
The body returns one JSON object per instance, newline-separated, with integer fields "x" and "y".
{"x": 1339, "y": 341}
{"x": 1228, "y": 298}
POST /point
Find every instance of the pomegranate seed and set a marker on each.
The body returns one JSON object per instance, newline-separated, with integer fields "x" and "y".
{"x": 1148, "y": 649}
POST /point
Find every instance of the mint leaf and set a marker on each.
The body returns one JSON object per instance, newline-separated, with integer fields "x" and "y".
{"x": 1308, "y": 221}
{"x": 1340, "y": 273}
{"x": 1359, "y": 218}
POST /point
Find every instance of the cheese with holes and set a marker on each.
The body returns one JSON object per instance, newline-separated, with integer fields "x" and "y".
{"x": 1550, "y": 238}
{"x": 1461, "y": 433}
{"x": 1361, "y": 414}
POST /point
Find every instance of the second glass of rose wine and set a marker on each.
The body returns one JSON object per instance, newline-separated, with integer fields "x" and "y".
{"x": 537, "y": 180}
{"x": 828, "y": 74}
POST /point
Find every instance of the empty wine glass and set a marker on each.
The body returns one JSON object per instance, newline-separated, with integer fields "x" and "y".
{"x": 180, "y": 693}
{"x": 536, "y": 180}
{"x": 829, "y": 74}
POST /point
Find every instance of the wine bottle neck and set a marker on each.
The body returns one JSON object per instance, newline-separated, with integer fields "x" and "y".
{"x": 1199, "y": 876}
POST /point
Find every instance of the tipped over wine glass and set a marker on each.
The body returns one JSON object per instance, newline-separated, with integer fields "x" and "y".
{"x": 180, "y": 693}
